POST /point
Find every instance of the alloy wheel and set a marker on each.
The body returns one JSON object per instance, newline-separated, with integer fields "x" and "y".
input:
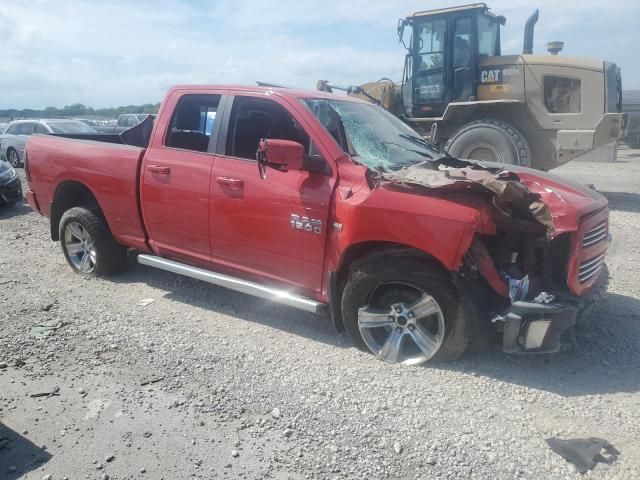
{"x": 402, "y": 324}
{"x": 80, "y": 247}
{"x": 14, "y": 160}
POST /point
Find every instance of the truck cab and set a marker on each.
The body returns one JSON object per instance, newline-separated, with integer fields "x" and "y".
{"x": 329, "y": 205}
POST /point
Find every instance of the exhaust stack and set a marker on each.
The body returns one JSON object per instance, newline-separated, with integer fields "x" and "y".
{"x": 527, "y": 48}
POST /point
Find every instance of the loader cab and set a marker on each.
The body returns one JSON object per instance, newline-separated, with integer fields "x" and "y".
{"x": 444, "y": 49}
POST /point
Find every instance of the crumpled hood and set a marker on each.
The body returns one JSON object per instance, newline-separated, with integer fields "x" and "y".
{"x": 525, "y": 198}
{"x": 568, "y": 201}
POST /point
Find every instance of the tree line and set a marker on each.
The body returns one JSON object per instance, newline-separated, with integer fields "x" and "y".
{"x": 78, "y": 110}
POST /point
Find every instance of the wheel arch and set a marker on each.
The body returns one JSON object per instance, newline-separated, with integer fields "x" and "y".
{"x": 69, "y": 194}
{"x": 362, "y": 252}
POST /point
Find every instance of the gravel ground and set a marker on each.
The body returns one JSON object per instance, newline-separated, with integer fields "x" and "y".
{"x": 208, "y": 383}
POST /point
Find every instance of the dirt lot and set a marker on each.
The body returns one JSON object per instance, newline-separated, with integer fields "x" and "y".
{"x": 208, "y": 383}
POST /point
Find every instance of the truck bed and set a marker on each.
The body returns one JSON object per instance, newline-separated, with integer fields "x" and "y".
{"x": 109, "y": 170}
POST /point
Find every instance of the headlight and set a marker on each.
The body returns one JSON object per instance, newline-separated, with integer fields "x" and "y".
{"x": 8, "y": 175}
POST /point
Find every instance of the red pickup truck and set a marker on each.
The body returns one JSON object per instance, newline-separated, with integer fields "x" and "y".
{"x": 324, "y": 202}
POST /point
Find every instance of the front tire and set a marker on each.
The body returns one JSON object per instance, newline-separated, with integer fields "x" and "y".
{"x": 492, "y": 141}
{"x": 13, "y": 158}
{"x": 404, "y": 311}
{"x": 88, "y": 245}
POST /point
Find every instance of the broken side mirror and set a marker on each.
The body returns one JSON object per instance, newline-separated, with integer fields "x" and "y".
{"x": 282, "y": 155}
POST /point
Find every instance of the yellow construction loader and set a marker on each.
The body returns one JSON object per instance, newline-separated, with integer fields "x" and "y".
{"x": 460, "y": 92}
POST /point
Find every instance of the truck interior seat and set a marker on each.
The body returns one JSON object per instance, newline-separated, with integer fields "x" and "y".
{"x": 186, "y": 132}
{"x": 248, "y": 132}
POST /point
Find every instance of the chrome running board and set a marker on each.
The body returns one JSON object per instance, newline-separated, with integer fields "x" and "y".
{"x": 233, "y": 283}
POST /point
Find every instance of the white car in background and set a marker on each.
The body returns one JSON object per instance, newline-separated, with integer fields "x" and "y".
{"x": 14, "y": 138}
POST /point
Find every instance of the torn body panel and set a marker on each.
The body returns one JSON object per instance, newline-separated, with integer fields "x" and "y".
{"x": 520, "y": 233}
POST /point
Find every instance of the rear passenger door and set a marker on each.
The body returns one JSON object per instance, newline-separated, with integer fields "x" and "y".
{"x": 253, "y": 220}
{"x": 175, "y": 177}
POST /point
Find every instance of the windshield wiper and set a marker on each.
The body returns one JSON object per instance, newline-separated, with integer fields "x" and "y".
{"x": 415, "y": 139}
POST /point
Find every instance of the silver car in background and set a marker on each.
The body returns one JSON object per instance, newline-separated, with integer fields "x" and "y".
{"x": 13, "y": 140}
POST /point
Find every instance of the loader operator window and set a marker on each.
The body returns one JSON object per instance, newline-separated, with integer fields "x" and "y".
{"x": 431, "y": 36}
{"x": 255, "y": 118}
{"x": 429, "y": 64}
{"x": 488, "y": 37}
{"x": 462, "y": 43}
{"x": 192, "y": 122}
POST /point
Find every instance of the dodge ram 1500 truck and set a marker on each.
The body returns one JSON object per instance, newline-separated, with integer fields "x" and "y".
{"x": 330, "y": 204}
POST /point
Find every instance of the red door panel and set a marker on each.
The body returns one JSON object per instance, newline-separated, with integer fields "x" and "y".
{"x": 175, "y": 202}
{"x": 251, "y": 221}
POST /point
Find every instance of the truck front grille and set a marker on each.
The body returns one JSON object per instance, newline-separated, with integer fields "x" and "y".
{"x": 590, "y": 268}
{"x": 595, "y": 235}
{"x": 588, "y": 252}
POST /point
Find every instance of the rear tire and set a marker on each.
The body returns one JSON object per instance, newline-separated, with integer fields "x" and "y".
{"x": 13, "y": 158}
{"x": 389, "y": 288}
{"x": 490, "y": 140}
{"x": 88, "y": 245}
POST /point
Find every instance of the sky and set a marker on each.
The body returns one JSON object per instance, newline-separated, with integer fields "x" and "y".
{"x": 106, "y": 53}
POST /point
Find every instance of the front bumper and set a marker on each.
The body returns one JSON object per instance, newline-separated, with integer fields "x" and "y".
{"x": 531, "y": 327}
{"x": 11, "y": 192}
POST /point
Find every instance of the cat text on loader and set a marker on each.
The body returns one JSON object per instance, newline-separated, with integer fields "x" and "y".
{"x": 532, "y": 110}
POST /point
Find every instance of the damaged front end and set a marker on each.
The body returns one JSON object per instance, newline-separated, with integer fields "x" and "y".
{"x": 529, "y": 279}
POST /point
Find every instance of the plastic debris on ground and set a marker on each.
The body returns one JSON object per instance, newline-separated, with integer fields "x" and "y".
{"x": 584, "y": 453}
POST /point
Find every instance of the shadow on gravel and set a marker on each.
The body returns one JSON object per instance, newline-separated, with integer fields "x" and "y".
{"x": 16, "y": 451}
{"x": 20, "y": 208}
{"x": 606, "y": 360}
{"x": 246, "y": 307}
{"x": 623, "y": 201}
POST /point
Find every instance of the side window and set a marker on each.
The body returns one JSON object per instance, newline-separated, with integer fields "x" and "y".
{"x": 255, "y": 118}
{"x": 562, "y": 95}
{"x": 14, "y": 130}
{"x": 122, "y": 121}
{"x": 132, "y": 121}
{"x": 192, "y": 122}
{"x": 431, "y": 38}
{"x": 27, "y": 128}
{"x": 41, "y": 129}
{"x": 462, "y": 43}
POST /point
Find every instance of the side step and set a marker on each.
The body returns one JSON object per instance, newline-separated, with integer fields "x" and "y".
{"x": 233, "y": 283}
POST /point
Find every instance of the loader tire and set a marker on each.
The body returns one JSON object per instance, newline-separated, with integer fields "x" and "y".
{"x": 491, "y": 141}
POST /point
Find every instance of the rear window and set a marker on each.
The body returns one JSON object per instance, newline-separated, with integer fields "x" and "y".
{"x": 27, "y": 128}
{"x": 192, "y": 122}
{"x": 41, "y": 129}
{"x": 70, "y": 127}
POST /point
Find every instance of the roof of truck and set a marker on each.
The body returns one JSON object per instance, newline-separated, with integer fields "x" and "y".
{"x": 281, "y": 91}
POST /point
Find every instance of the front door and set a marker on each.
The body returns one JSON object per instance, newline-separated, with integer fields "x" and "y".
{"x": 175, "y": 179}
{"x": 463, "y": 61}
{"x": 275, "y": 227}
{"x": 429, "y": 69}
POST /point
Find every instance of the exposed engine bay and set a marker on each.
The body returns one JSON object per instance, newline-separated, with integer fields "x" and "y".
{"x": 516, "y": 275}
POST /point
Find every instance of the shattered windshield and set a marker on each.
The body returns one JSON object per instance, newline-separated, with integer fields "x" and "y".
{"x": 371, "y": 135}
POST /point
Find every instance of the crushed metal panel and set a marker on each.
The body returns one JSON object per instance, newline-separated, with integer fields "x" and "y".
{"x": 511, "y": 199}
